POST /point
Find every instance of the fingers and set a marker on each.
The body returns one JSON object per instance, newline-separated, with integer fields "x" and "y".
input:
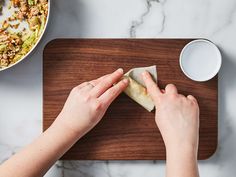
{"x": 96, "y": 81}
{"x": 171, "y": 89}
{"x": 93, "y": 82}
{"x": 106, "y": 83}
{"x": 152, "y": 87}
{"x": 108, "y": 97}
{"x": 192, "y": 98}
{"x": 81, "y": 85}
{"x": 87, "y": 87}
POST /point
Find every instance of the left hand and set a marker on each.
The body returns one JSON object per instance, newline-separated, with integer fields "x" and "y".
{"x": 88, "y": 102}
{"x": 84, "y": 108}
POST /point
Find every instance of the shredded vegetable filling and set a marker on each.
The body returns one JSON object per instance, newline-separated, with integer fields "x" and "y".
{"x": 14, "y": 45}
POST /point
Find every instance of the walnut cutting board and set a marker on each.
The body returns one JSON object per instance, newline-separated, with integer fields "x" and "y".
{"x": 127, "y": 131}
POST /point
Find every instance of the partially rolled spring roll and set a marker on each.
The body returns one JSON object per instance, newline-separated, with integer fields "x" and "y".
{"x": 136, "y": 89}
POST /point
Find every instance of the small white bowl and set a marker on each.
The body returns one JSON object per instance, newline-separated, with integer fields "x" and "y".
{"x": 200, "y": 60}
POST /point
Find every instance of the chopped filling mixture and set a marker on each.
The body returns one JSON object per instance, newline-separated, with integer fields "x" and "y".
{"x": 14, "y": 45}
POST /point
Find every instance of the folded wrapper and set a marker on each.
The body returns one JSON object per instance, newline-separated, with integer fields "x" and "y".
{"x": 136, "y": 89}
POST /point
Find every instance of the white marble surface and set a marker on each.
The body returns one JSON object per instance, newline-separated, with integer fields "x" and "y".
{"x": 21, "y": 86}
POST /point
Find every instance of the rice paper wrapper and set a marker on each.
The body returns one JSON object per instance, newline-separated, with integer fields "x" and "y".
{"x": 136, "y": 89}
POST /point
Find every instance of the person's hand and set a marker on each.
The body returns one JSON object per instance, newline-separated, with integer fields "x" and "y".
{"x": 84, "y": 108}
{"x": 88, "y": 102}
{"x": 177, "y": 116}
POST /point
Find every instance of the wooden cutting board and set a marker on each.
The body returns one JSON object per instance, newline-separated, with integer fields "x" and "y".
{"x": 127, "y": 131}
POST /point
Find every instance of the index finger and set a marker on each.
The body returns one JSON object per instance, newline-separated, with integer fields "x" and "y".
{"x": 96, "y": 81}
{"x": 108, "y": 97}
{"x": 106, "y": 83}
{"x": 152, "y": 87}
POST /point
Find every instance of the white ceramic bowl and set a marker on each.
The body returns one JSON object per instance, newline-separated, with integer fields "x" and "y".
{"x": 35, "y": 45}
{"x": 200, "y": 60}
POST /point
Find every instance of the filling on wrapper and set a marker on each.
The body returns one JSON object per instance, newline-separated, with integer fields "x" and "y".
{"x": 15, "y": 43}
{"x": 136, "y": 89}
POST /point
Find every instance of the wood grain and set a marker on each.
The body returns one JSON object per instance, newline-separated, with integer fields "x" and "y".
{"x": 127, "y": 131}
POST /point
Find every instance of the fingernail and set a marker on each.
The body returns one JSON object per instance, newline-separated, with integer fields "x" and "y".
{"x": 144, "y": 74}
{"x": 120, "y": 70}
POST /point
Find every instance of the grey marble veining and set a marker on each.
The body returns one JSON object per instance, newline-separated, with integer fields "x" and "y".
{"x": 139, "y": 22}
{"x": 21, "y": 86}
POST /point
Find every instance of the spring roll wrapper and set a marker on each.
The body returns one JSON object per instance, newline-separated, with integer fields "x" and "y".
{"x": 136, "y": 89}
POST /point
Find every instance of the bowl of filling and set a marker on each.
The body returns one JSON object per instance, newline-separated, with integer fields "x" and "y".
{"x": 22, "y": 25}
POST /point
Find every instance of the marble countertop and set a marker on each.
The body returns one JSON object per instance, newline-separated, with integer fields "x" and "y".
{"x": 21, "y": 86}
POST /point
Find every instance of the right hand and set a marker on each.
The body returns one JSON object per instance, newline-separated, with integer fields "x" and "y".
{"x": 177, "y": 116}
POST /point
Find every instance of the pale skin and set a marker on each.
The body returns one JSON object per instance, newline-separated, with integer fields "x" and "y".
{"x": 177, "y": 118}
